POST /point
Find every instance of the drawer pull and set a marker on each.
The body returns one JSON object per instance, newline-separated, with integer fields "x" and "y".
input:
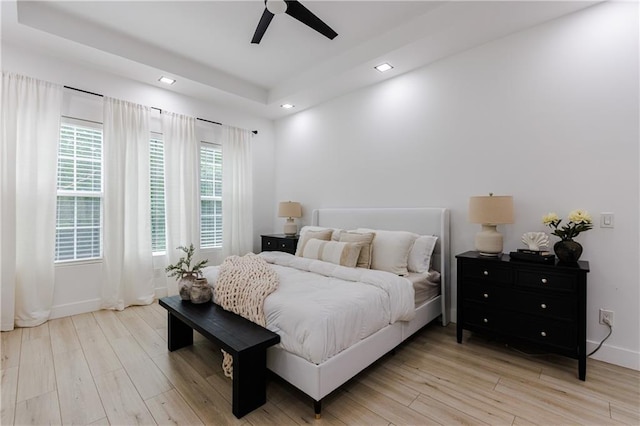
{"x": 268, "y": 243}
{"x": 543, "y": 334}
{"x": 282, "y": 245}
{"x": 485, "y": 320}
{"x": 485, "y": 273}
{"x": 544, "y": 281}
{"x": 486, "y": 295}
{"x": 543, "y": 306}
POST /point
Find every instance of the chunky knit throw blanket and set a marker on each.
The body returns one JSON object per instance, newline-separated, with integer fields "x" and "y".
{"x": 243, "y": 284}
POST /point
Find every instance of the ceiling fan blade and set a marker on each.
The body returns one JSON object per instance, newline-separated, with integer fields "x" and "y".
{"x": 265, "y": 20}
{"x": 296, "y": 10}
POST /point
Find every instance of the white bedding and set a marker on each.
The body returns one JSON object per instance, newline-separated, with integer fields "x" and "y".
{"x": 426, "y": 285}
{"x": 320, "y": 309}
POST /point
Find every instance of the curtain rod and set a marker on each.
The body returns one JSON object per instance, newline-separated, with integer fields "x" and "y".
{"x": 255, "y": 132}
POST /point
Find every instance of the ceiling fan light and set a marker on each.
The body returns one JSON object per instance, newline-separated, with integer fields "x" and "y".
{"x": 276, "y": 6}
{"x": 166, "y": 80}
{"x": 384, "y": 67}
{"x": 287, "y": 106}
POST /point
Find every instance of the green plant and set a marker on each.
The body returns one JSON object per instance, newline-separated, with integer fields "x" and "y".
{"x": 579, "y": 221}
{"x": 183, "y": 266}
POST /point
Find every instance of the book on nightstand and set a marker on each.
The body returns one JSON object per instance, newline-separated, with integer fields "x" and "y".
{"x": 536, "y": 256}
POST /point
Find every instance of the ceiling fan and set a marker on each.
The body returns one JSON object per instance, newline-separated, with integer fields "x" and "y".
{"x": 294, "y": 9}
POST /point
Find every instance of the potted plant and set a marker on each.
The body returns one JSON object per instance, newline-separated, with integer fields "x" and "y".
{"x": 566, "y": 249}
{"x": 185, "y": 273}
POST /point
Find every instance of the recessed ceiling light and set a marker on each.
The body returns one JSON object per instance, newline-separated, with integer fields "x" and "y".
{"x": 166, "y": 80}
{"x": 383, "y": 67}
{"x": 287, "y": 106}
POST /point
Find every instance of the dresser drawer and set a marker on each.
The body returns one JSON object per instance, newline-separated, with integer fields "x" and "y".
{"x": 561, "y": 334}
{"x": 485, "y": 318}
{"x": 545, "y": 305}
{"x": 545, "y": 280}
{"x": 487, "y": 272}
{"x": 487, "y": 294}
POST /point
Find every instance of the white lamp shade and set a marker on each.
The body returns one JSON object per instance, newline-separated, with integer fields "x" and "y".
{"x": 289, "y": 209}
{"x": 491, "y": 209}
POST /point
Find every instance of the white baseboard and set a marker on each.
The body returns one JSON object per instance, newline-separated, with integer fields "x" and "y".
{"x": 76, "y": 308}
{"x": 87, "y": 306}
{"x": 614, "y": 355}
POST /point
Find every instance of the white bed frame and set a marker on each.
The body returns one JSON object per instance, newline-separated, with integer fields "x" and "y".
{"x": 318, "y": 380}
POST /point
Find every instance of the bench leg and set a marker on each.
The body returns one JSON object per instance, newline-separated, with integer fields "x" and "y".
{"x": 179, "y": 333}
{"x": 249, "y": 381}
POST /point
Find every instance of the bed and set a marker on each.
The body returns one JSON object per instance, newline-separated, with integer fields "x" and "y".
{"x": 319, "y": 377}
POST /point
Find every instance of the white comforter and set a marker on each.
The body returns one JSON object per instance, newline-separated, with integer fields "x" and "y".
{"x": 320, "y": 309}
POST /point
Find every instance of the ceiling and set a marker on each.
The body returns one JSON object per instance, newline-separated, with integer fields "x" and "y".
{"x": 205, "y": 45}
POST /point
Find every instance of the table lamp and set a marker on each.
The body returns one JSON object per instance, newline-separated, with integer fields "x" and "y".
{"x": 290, "y": 209}
{"x": 490, "y": 211}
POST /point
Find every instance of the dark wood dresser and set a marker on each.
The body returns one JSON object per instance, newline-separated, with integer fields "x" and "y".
{"x": 280, "y": 242}
{"x": 541, "y": 304}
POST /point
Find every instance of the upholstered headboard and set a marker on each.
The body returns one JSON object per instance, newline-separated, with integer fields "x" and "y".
{"x": 421, "y": 220}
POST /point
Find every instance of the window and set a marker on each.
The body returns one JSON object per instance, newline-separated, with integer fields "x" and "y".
{"x": 79, "y": 195}
{"x": 156, "y": 173}
{"x": 210, "y": 196}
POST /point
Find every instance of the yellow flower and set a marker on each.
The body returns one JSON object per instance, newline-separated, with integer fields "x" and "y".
{"x": 579, "y": 216}
{"x": 550, "y": 218}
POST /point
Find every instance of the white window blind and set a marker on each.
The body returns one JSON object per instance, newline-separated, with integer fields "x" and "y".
{"x": 79, "y": 195}
{"x": 210, "y": 196}
{"x": 158, "y": 218}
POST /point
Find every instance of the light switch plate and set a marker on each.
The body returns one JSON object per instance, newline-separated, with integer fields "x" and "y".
{"x": 606, "y": 220}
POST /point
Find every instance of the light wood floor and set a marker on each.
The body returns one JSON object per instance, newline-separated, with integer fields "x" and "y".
{"x": 114, "y": 368}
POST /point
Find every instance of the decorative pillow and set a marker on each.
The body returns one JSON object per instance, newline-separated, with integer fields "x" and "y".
{"x": 420, "y": 254}
{"x": 365, "y": 240}
{"x": 391, "y": 250}
{"x": 344, "y": 254}
{"x": 307, "y": 234}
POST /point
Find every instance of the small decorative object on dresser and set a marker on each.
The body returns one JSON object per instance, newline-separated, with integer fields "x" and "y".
{"x": 185, "y": 273}
{"x": 568, "y": 250}
{"x": 536, "y": 241}
{"x": 540, "y": 304}
{"x": 280, "y": 242}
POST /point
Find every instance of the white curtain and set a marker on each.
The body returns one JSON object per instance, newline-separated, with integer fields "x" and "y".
{"x": 237, "y": 192}
{"x": 30, "y": 129}
{"x": 127, "y": 255}
{"x": 182, "y": 192}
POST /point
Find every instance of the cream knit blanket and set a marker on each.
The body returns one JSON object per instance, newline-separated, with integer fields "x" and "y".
{"x": 243, "y": 284}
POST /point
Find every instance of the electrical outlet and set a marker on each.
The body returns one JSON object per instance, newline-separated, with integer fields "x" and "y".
{"x": 606, "y": 317}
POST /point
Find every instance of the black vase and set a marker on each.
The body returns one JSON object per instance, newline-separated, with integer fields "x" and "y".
{"x": 568, "y": 251}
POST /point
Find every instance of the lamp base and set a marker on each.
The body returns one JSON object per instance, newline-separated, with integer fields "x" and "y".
{"x": 290, "y": 228}
{"x": 489, "y": 241}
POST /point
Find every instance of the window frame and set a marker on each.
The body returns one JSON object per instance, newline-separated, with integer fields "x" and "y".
{"x": 217, "y": 148}
{"x": 155, "y": 136}
{"x": 92, "y": 125}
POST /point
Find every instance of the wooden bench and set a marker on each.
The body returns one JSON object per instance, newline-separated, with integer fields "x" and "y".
{"x": 244, "y": 340}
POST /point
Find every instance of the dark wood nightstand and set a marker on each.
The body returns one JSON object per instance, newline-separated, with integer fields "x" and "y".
{"x": 280, "y": 242}
{"x": 540, "y": 304}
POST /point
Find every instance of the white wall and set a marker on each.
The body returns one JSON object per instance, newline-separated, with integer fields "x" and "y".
{"x": 548, "y": 115}
{"x": 77, "y": 285}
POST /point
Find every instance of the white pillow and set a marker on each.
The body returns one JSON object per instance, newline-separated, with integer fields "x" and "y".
{"x": 344, "y": 254}
{"x": 391, "y": 250}
{"x": 420, "y": 254}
